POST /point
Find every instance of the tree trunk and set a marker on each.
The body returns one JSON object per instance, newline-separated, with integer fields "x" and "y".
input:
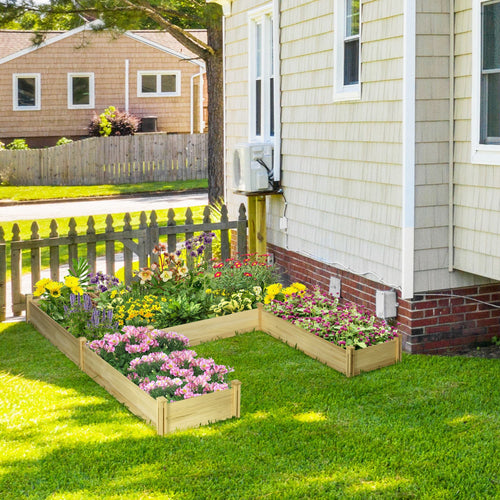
{"x": 215, "y": 89}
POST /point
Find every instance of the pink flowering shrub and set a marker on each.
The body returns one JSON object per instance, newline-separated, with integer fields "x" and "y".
{"x": 160, "y": 363}
{"x": 341, "y": 324}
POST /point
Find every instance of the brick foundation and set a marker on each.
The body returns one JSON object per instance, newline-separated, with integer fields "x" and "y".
{"x": 430, "y": 324}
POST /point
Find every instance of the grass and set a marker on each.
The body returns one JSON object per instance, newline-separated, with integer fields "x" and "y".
{"x": 427, "y": 428}
{"x": 100, "y": 226}
{"x": 21, "y": 193}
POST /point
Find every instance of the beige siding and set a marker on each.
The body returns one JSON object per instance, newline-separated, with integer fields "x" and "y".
{"x": 432, "y": 257}
{"x": 476, "y": 187}
{"x": 341, "y": 169}
{"x": 104, "y": 56}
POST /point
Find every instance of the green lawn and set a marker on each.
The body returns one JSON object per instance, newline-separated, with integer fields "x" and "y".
{"x": 19, "y": 193}
{"x": 427, "y": 428}
{"x": 100, "y": 226}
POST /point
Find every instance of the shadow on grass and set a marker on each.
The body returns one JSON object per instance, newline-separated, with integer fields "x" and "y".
{"x": 424, "y": 428}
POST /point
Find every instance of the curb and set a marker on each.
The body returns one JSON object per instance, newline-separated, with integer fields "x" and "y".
{"x": 10, "y": 203}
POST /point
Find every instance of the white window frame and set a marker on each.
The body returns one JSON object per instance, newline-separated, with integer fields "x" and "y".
{"x": 486, "y": 154}
{"x": 343, "y": 92}
{"x": 38, "y": 92}
{"x": 269, "y": 64}
{"x": 91, "y": 104}
{"x": 158, "y": 75}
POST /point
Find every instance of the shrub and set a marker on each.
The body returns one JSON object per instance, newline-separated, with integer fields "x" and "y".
{"x": 17, "y": 144}
{"x": 63, "y": 140}
{"x": 113, "y": 122}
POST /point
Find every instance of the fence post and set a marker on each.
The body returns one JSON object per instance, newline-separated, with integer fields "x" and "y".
{"x": 153, "y": 238}
{"x": 171, "y": 238}
{"x": 91, "y": 245}
{"x": 35, "y": 255}
{"x": 3, "y": 275}
{"x": 189, "y": 235}
{"x": 73, "y": 246}
{"x": 127, "y": 253}
{"x": 144, "y": 245}
{"x": 225, "y": 251}
{"x": 54, "y": 253}
{"x": 15, "y": 273}
{"x": 206, "y": 220}
{"x": 242, "y": 230}
{"x": 110, "y": 246}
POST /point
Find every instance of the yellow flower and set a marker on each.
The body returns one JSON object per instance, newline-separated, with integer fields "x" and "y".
{"x": 77, "y": 290}
{"x": 40, "y": 286}
{"x": 274, "y": 289}
{"x": 113, "y": 294}
{"x": 71, "y": 281}
{"x": 54, "y": 288}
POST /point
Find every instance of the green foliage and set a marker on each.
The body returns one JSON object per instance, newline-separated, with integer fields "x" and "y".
{"x": 113, "y": 122}
{"x": 80, "y": 269}
{"x": 17, "y": 144}
{"x": 426, "y": 428}
{"x": 63, "y": 140}
{"x": 2, "y": 146}
{"x": 495, "y": 341}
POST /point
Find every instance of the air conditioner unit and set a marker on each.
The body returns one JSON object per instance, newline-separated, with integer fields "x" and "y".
{"x": 253, "y": 167}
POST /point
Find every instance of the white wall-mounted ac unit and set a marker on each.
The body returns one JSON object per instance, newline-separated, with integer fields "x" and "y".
{"x": 253, "y": 167}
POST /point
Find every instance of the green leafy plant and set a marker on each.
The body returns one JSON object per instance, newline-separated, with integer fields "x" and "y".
{"x": 63, "y": 140}
{"x": 80, "y": 270}
{"x": 495, "y": 340}
{"x": 17, "y": 144}
{"x": 113, "y": 122}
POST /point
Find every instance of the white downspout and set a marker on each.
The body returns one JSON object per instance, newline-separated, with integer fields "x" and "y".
{"x": 201, "y": 101}
{"x": 191, "y": 105}
{"x": 451, "y": 145}
{"x": 408, "y": 215}
{"x": 277, "y": 89}
{"x": 126, "y": 85}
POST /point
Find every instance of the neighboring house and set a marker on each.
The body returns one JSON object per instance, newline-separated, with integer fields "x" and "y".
{"x": 53, "y": 89}
{"x": 385, "y": 121}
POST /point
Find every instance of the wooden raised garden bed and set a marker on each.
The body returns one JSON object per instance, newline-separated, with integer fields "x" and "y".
{"x": 163, "y": 415}
{"x": 348, "y": 361}
{"x": 222, "y": 405}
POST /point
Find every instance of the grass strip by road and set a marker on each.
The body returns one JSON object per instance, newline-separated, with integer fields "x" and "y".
{"x": 81, "y": 228}
{"x": 24, "y": 193}
{"x": 426, "y": 428}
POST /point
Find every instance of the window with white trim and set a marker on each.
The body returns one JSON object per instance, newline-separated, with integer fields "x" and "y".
{"x": 26, "y": 93}
{"x": 485, "y": 110}
{"x": 261, "y": 74}
{"x": 158, "y": 83}
{"x": 81, "y": 91}
{"x": 347, "y": 50}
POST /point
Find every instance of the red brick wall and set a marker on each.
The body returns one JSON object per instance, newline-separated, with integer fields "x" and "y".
{"x": 430, "y": 323}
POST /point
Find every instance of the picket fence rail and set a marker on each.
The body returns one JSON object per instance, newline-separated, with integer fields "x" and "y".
{"x": 138, "y": 242}
{"x": 109, "y": 160}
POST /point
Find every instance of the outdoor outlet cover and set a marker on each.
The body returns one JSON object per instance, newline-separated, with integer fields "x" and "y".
{"x": 283, "y": 223}
{"x": 334, "y": 286}
{"x": 386, "y": 305}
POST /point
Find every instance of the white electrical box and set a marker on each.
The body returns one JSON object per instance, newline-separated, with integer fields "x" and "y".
{"x": 386, "y": 305}
{"x": 334, "y": 288}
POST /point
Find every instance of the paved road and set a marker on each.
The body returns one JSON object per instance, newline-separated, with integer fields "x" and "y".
{"x": 94, "y": 207}
{"x": 98, "y": 207}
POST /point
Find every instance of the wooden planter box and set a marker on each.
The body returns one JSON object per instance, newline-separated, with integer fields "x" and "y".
{"x": 163, "y": 415}
{"x": 348, "y": 361}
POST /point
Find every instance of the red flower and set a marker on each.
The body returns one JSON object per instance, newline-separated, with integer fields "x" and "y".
{"x": 247, "y": 274}
{"x": 237, "y": 264}
{"x": 218, "y": 274}
{"x": 219, "y": 265}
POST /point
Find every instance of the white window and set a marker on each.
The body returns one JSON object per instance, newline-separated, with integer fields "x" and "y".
{"x": 80, "y": 90}
{"x": 26, "y": 94}
{"x": 485, "y": 114}
{"x": 261, "y": 75}
{"x": 158, "y": 83}
{"x": 347, "y": 50}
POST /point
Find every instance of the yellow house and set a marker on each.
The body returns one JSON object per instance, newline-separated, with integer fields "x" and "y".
{"x": 55, "y": 88}
{"x": 384, "y": 121}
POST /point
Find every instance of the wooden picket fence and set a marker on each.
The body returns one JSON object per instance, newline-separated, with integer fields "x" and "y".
{"x": 138, "y": 242}
{"x": 110, "y": 160}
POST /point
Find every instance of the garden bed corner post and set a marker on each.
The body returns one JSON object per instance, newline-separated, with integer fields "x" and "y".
{"x": 162, "y": 424}
{"x": 236, "y": 386}
{"x": 349, "y": 361}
